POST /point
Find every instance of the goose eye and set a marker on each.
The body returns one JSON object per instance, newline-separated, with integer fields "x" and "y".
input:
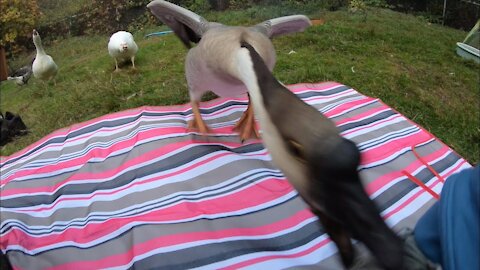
{"x": 297, "y": 150}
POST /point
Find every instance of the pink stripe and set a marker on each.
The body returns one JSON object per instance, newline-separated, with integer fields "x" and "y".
{"x": 191, "y": 237}
{"x": 148, "y": 156}
{"x": 64, "y": 131}
{"x": 384, "y": 150}
{"x": 107, "y": 174}
{"x": 380, "y": 123}
{"x": 173, "y": 109}
{"x": 420, "y": 127}
{"x": 104, "y": 153}
{"x": 310, "y": 100}
{"x": 96, "y": 153}
{"x": 421, "y": 191}
{"x": 109, "y": 117}
{"x": 320, "y": 86}
{"x": 362, "y": 116}
{"x": 385, "y": 179}
{"x": 126, "y": 187}
{"x": 409, "y": 200}
{"x": 251, "y": 196}
{"x": 93, "y": 153}
{"x": 281, "y": 256}
{"x": 346, "y": 106}
{"x": 139, "y": 110}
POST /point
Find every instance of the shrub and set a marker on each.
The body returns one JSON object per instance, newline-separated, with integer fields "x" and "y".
{"x": 17, "y": 20}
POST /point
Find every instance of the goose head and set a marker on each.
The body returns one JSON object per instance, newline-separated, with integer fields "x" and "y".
{"x": 123, "y": 48}
{"x": 35, "y": 35}
{"x": 37, "y": 40}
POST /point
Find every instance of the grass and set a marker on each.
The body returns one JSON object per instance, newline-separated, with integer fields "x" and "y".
{"x": 408, "y": 63}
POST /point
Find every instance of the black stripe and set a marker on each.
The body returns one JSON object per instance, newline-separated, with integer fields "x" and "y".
{"x": 367, "y": 121}
{"x": 132, "y": 230}
{"x": 126, "y": 120}
{"x": 159, "y": 166}
{"x": 403, "y": 187}
{"x": 191, "y": 197}
{"x": 215, "y": 252}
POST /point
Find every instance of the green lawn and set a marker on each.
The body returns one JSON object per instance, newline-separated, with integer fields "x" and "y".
{"x": 408, "y": 63}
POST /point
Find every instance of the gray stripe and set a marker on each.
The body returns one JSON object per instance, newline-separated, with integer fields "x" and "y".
{"x": 211, "y": 253}
{"x": 125, "y": 120}
{"x": 54, "y": 155}
{"x": 403, "y": 187}
{"x": 399, "y": 163}
{"x": 367, "y": 121}
{"x": 377, "y": 133}
{"x": 144, "y": 233}
{"x": 159, "y": 166}
{"x": 109, "y": 163}
{"x": 180, "y": 191}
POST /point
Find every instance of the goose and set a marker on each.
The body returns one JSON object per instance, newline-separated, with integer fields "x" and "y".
{"x": 122, "y": 47}
{"x": 211, "y": 64}
{"x": 319, "y": 163}
{"x": 21, "y": 75}
{"x": 43, "y": 67}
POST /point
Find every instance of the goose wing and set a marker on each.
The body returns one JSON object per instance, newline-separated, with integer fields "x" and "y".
{"x": 188, "y": 26}
{"x": 283, "y": 25}
{"x": 22, "y": 71}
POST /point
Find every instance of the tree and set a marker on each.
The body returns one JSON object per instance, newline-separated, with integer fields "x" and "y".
{"x": 17, "y": 20}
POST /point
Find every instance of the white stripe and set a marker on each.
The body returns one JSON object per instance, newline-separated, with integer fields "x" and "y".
{"x": 131, "y": 168}
{"x": 214, "y": 241}
{"x": 280, "y": 263}
{"x": 175, "y": 178}
{"x": 373, "y": 127}
{"x": 163, "y": 202}
{"x": 421, "y": 200}
{"x": 129, "y": 226}
{"x": 391, "y": 157}
{"x": 294, "y": 88}
{"x": 388, "y": 138}
{"x": 98, "y": 143}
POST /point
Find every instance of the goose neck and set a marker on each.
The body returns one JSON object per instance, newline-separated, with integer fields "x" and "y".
{"x": 38, "y": 45}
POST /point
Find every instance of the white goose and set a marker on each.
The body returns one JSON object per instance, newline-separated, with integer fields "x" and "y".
{"x": 122, "y": 47}
{"x": 43, "y": 67}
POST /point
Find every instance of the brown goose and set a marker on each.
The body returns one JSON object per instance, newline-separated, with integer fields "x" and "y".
{"x": 211, "y": 65}
{"x": 318, "y": 162}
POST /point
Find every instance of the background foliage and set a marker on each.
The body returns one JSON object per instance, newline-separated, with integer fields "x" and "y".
{"x": 17, "y": 19}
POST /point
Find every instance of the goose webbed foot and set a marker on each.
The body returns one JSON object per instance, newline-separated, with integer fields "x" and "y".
{"x": 246, "y": 125}
{"x": 133, "y": 62}
{"x": 116, "y": 66}
{"x": 197, "y": 123}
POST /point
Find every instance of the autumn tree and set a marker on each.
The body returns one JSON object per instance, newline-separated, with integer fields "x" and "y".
{"x": 17, "y": 20}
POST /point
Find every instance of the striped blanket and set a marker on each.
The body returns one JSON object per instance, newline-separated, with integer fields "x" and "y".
{"x": 135, "y": 189}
